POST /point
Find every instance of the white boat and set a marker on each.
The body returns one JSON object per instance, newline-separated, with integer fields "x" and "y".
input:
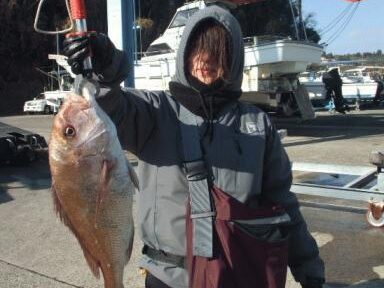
{"x": 270, "y": 71}
{"x": 359, "y": 75}
{"x": 358, "y": 84}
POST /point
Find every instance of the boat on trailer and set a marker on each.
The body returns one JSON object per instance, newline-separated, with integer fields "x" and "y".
{"x": 272, "y": 64}
{"x": 359, "y": 84}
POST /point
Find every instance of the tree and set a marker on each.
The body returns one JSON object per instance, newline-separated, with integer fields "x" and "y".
{"x": 159, "y": 13}
{"x": 310, "y": 28}
{"x": 22, "y": 49}
{"x": 272, "y": 17}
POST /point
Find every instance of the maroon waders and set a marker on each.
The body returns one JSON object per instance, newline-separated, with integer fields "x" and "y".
{"x": 240, "y": 259}
{"x": 229, "y": 245}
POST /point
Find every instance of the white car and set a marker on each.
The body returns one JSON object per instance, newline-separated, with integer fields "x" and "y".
{"x": 42, "y": 105}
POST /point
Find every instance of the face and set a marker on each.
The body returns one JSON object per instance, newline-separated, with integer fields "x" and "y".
{"x": 204, "y": 68}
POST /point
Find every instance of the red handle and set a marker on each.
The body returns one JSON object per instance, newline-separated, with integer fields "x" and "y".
{"x": 78, "y": 9}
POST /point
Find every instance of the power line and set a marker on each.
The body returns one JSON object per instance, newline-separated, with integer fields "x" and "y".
{"x": 336, "y": 20}
{"x": 335, "y": 35}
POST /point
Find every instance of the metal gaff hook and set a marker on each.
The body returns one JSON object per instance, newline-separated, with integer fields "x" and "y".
{"x": 37, "y": 29}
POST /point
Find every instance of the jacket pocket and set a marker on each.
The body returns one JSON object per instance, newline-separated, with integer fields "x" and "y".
{"x": 267, "y": 233}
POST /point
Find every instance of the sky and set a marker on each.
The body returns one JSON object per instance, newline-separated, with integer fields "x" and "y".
{"x": 364, "y": 33}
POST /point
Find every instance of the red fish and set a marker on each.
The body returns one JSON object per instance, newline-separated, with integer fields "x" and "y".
{"x": 93, "y": 184}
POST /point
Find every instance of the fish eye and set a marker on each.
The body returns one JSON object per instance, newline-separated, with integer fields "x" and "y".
{"x": 69, "y": 131}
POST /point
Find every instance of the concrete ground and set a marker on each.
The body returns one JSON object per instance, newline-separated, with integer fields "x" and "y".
{"x": 36, "y": 250}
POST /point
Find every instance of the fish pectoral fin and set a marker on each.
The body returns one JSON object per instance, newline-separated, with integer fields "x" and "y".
{"x": 59, "y": 208}
{"x": 132, "y": 175}
{"x": 103, "y": 186}
{"x": 93, "y": 264}
{"x": 130, "y": 247}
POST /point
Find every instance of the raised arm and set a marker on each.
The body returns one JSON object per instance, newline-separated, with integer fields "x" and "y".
{"x": 132, "y": 111}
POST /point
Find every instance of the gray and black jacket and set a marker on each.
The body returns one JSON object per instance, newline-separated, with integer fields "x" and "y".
{"x": 245, "y": 154}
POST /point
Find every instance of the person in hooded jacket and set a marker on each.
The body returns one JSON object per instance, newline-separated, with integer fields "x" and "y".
{"x": 239, "y": 142}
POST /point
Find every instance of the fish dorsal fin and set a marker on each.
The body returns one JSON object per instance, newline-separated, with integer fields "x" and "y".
{"x": 132, "y": 175}
{"x": 91, "y": 261}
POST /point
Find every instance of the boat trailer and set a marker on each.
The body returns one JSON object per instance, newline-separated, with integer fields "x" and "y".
{"x": 342, "y": 182}
{"x": 19, "y": 146}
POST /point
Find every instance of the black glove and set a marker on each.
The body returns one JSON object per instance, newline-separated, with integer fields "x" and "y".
{"x": 313, "y": 283}
{"x": 96, "y": 45}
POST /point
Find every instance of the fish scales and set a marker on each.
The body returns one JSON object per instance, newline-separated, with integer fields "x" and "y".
{"x": 93, "y": 184}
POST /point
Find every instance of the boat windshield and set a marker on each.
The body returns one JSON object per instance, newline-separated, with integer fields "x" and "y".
{"x": 182, "y": 17}
{"x": 354, "y": 73}
{"x": 54, "y": 101}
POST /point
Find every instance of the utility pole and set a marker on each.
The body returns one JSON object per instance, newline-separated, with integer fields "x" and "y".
{"x": 120, "y": 30}
{"x": 294, "y": 19}
{"x": 301, "y": 22}
{"x": 299, "y": 10}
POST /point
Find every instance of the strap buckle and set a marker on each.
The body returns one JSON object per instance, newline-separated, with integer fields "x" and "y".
{"x": 159, "y": 255}
{"x": 203, "y": 215}
{"x": 196, "y": 170}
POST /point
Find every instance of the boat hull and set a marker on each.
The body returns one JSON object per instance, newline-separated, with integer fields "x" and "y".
{"x": 351, "y": 91}
{"x": 264, "y": 61}
{"x": 283, "y": 56}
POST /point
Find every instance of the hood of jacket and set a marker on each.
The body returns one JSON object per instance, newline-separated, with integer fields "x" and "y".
{"x": 229, "y": 22}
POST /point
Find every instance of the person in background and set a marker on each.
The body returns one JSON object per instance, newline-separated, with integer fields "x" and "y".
{"x": 379, "y": 90}
{"x": 333, "y": 85}
{"x": 240, "y": 145}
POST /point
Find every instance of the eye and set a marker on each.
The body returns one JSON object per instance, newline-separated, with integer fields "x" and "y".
{"x": 69, "y": 131}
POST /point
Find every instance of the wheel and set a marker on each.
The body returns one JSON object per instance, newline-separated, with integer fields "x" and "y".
{"x": 374, "y": 222}
{"x": 30, "y": 155}
{"x": 288, "y": 105}
{"x": 287, "y": 110}
{"x": 47, "y": 110}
